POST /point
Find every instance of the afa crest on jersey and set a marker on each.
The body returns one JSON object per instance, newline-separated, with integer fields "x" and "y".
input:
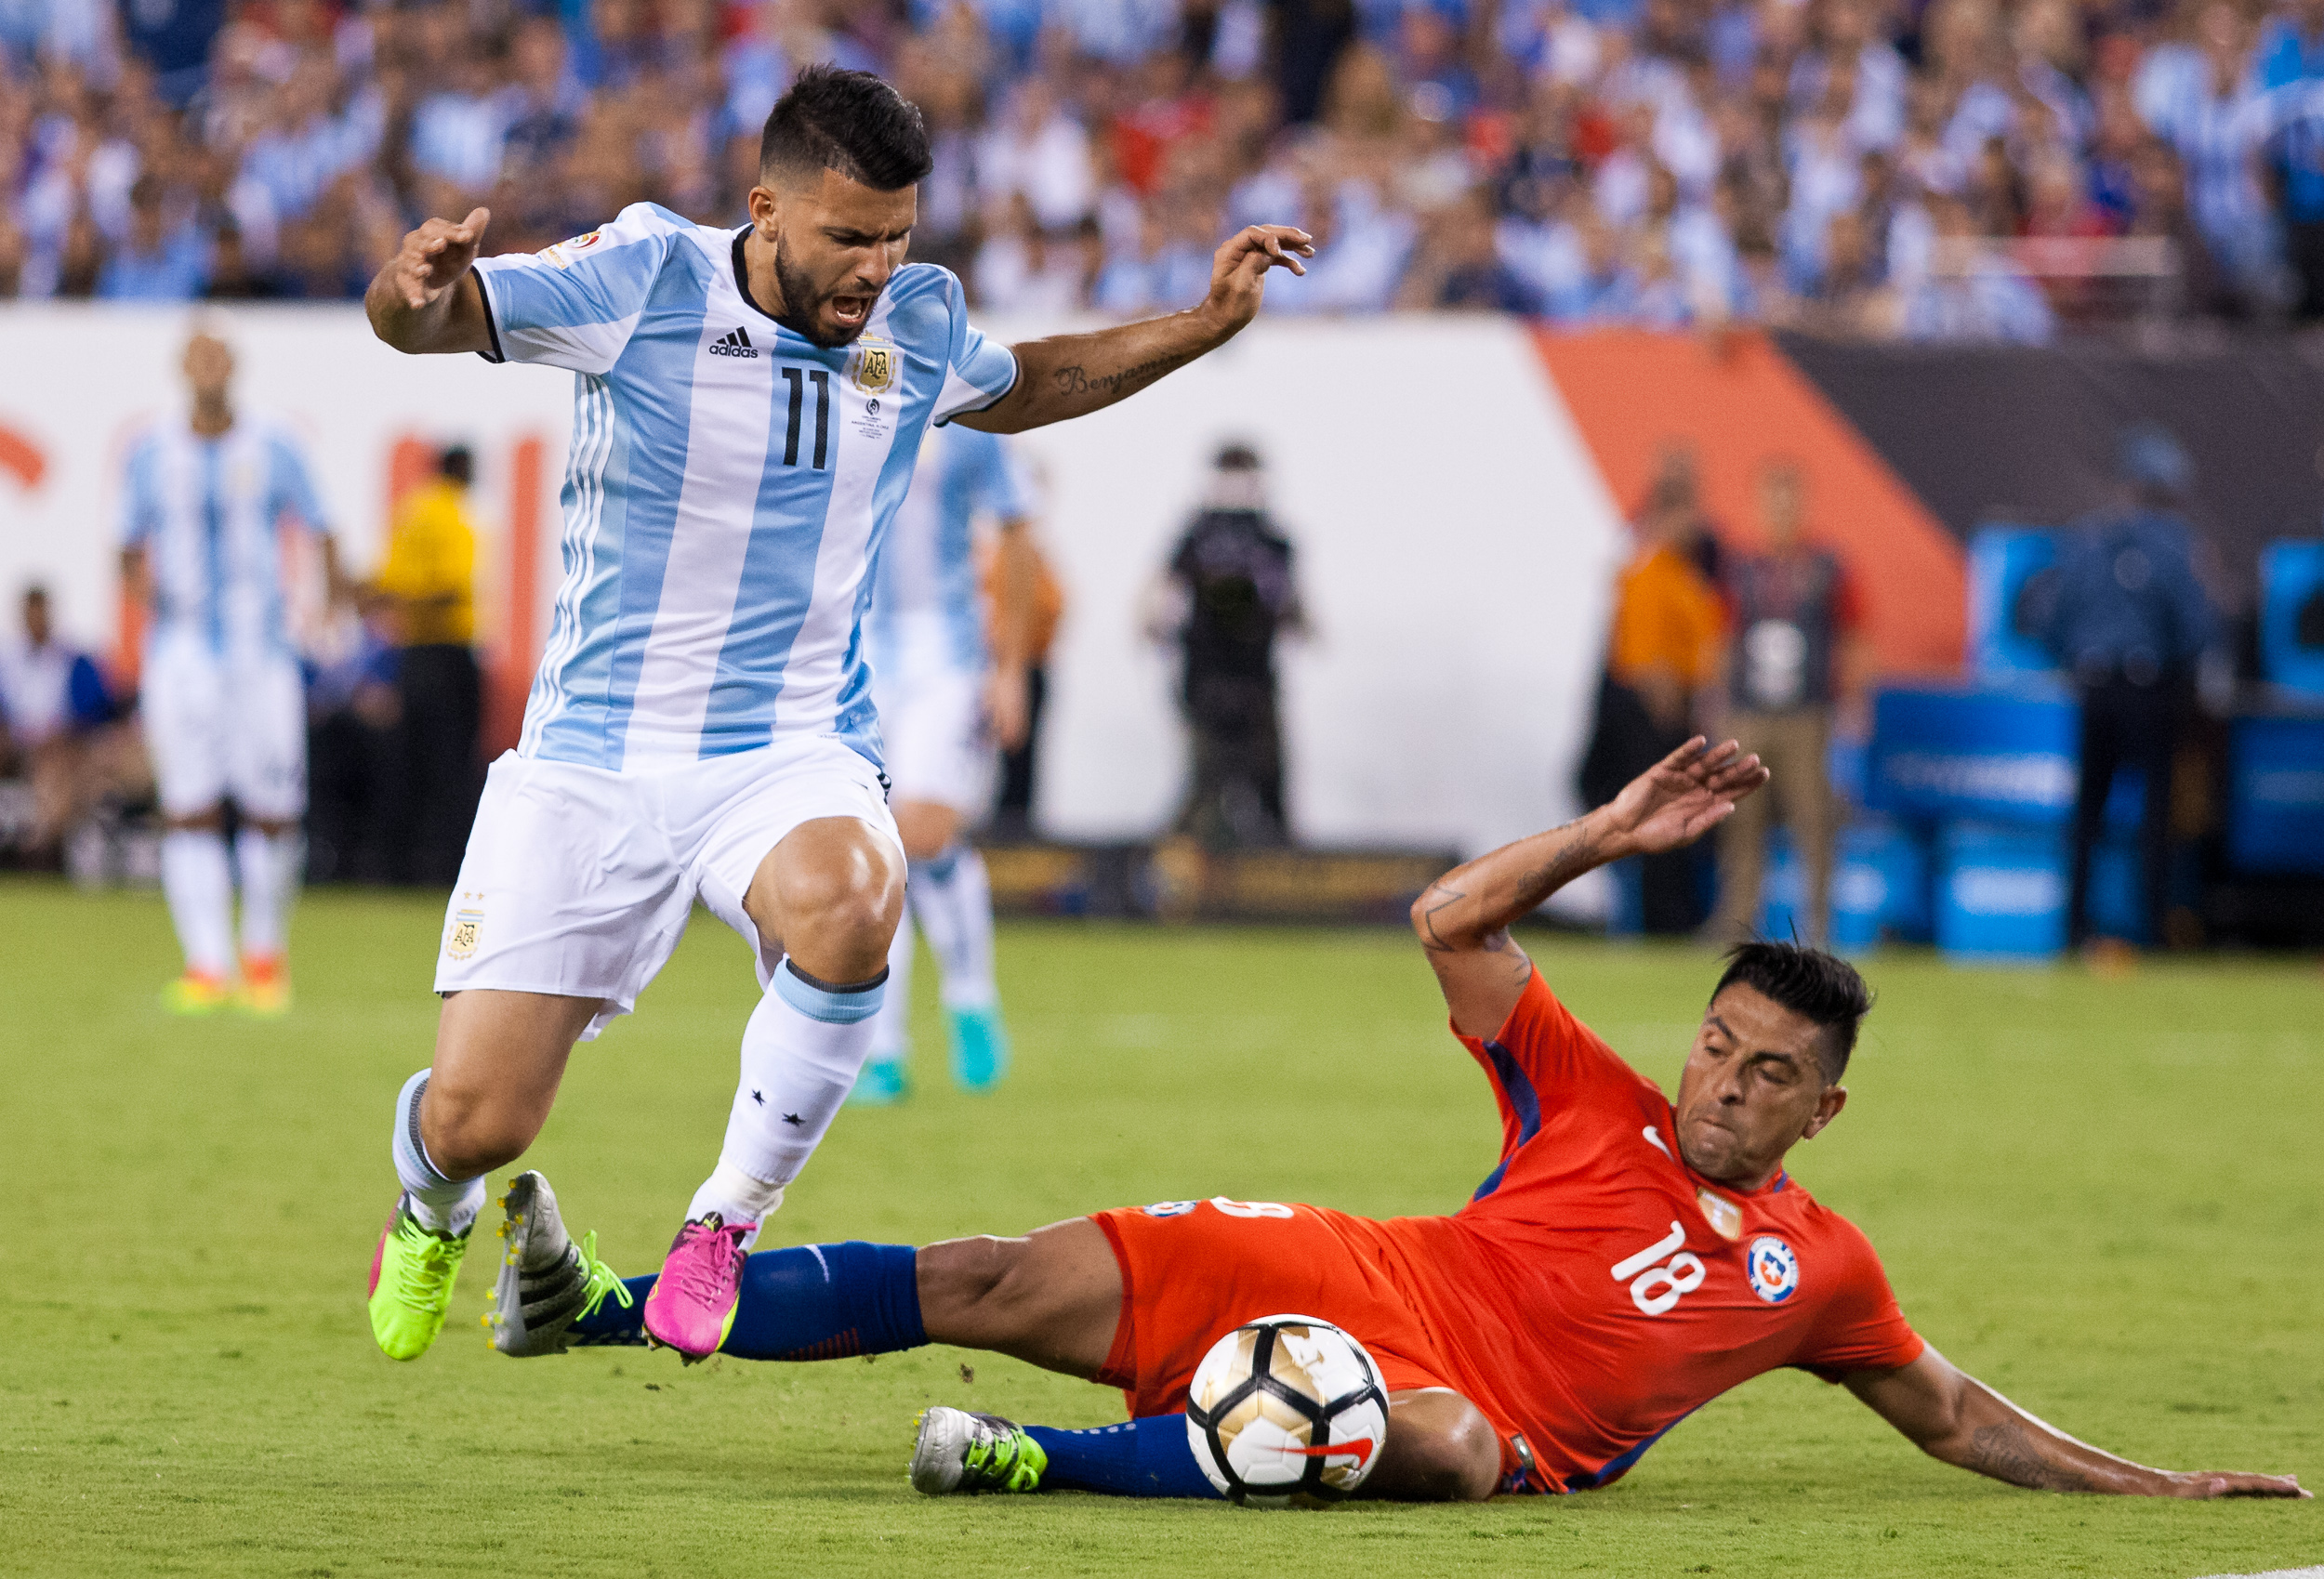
{"x": 872, "y": 366}
{"x": 1773, "y": 1268}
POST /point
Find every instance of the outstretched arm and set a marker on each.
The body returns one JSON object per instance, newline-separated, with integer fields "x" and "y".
{"x": 424, "y": 298}
{"x": 1463, "y": 918}
{"x": 1070, "y": 376}
{"x": 1949, "y": 1415}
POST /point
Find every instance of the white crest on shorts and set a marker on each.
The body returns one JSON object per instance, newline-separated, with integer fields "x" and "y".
{"x": 467, "y": 924}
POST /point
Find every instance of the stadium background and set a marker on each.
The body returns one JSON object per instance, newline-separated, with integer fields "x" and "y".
{"x": 1945, "y": 289}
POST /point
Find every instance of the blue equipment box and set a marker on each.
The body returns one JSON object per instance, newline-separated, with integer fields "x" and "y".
{"x": 2003, "y": 562}
{"x": 2276, "y": 795}
{"x": 1879, "y": 885}
{"x": 2000, "y": 893}
{"x": 2292, "y": 615}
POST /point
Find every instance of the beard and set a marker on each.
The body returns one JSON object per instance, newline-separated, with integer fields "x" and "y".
{"x": 803, "y": 305}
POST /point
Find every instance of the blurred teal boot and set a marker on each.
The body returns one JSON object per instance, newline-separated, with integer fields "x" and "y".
{"x": 881, "y": 1084}
{"x": 980, "y": 1048}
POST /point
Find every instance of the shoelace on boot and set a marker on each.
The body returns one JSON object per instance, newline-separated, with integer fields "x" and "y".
{"x": 708, "y": 1279}
{"x": 427, "y": 1270}
{"x": 603, "y": 1280}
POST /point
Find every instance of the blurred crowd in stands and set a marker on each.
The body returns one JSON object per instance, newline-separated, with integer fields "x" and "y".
{"x": 1947, "y": 169}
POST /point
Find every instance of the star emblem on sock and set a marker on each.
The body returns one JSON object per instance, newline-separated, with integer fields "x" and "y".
{"x": 759, "y": 1097}
{"x": 793, "y": 1120}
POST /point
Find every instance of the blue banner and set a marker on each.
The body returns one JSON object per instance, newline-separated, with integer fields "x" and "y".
{"x": 1952, "y": 751}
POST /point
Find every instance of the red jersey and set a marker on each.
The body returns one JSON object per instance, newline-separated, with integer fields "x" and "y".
{"x": 1597, "y": 1290}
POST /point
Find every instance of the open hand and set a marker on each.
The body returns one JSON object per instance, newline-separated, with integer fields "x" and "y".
{"x": 1238, "y": 271}
{"x": 2204, "y": 1485}
{"x": 1685, "y": 795}
{"x": 434, "y": 256}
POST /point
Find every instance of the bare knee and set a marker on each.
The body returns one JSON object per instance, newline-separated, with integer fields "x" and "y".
{"x": 832, "y": 896}
{"x": 1440, "y": 1448}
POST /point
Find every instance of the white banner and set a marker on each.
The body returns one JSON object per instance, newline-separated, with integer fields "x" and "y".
{"x": 1456, "y": 543}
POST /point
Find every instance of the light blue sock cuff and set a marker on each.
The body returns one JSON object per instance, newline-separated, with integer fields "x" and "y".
{"x": 939, "y": 866}
{"x": 833, "y": 1005}
{"x": 413, "y": 1164}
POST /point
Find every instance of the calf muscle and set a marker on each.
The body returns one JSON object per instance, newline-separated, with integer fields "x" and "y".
{"x": 1052, "y": 1298}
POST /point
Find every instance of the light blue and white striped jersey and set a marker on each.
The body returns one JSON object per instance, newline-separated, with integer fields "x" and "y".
{"x": 207, "y": 513}
{"x": 727, "y": 487}
{"x": 925, "y": 578}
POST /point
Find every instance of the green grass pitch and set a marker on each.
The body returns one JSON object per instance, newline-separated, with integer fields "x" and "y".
{"x": 2101, "y": 1197}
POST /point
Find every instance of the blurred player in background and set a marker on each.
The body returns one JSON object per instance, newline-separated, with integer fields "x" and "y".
{"x": 1629, "y": 1260}
{"x": 938, "y": 685}
{"x": 221, "y": 694}
{"x": 748, "y": 406}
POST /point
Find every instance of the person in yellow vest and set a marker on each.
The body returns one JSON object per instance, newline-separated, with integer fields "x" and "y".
{"x": 430, "y": 572}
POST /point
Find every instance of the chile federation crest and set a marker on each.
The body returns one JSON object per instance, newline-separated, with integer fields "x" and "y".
{"x": 1773, "y": 1268}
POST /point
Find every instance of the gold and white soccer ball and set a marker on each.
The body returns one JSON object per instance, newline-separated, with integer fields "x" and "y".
{"x": 1287, "y": 1411}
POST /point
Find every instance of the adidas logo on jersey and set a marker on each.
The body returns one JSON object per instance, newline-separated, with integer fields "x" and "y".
{"x": 734, "y": 343}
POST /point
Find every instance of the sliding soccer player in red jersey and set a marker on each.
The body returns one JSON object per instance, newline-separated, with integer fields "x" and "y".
{"x": 1629, "y": 1259}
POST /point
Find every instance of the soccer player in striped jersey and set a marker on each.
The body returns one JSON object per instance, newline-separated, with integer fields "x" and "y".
{"x": 223, "y": 705}
{"x": 748, "y": 404}
{"x": 946, "y": 697}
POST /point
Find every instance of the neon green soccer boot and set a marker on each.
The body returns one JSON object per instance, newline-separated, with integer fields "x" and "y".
{"x": 412, "y": 1274}
{"x": 961, "y": 1452}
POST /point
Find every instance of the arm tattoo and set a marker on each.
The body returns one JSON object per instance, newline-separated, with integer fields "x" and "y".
{"x": 1077, "y": 379}
{"x": 1577, "y": 856}
{"x": 2005, "y": 1453}
{"x": 1443, "y": 898}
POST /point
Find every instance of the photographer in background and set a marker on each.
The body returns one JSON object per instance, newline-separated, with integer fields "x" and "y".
{"x": 1228, "y": 594}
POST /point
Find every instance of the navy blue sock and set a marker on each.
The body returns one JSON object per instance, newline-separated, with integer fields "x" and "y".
{"x": 809, "y": 1302}
{"x": 1138, "y": 1458}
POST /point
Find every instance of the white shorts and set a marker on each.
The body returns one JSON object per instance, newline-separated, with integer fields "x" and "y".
{"x": 578, "y": 881}
{"x": 931, "y": 731}
{"x": 221, "y": 726}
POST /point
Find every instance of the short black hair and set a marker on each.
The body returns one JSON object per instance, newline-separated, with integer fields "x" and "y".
{"x": 1814, "y": 985}
{"x": 850, "y": 122}
{"x": 459, "y": 462}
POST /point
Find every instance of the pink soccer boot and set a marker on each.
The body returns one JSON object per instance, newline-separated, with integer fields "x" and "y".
{"x": 692, "y": 1308}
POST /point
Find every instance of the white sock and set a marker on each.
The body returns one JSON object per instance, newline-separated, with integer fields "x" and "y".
{"x": 268, "y": 867}
{"x": 444, "y": 1205}
{"x": 891, "y": 1027}
{"x": 953, "y": 899}
{"x": 802, "y": 1052}
{"x": 200, "y": 894}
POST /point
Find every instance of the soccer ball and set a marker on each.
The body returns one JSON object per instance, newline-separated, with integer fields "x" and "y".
{"x": 1287, "y": 1411}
